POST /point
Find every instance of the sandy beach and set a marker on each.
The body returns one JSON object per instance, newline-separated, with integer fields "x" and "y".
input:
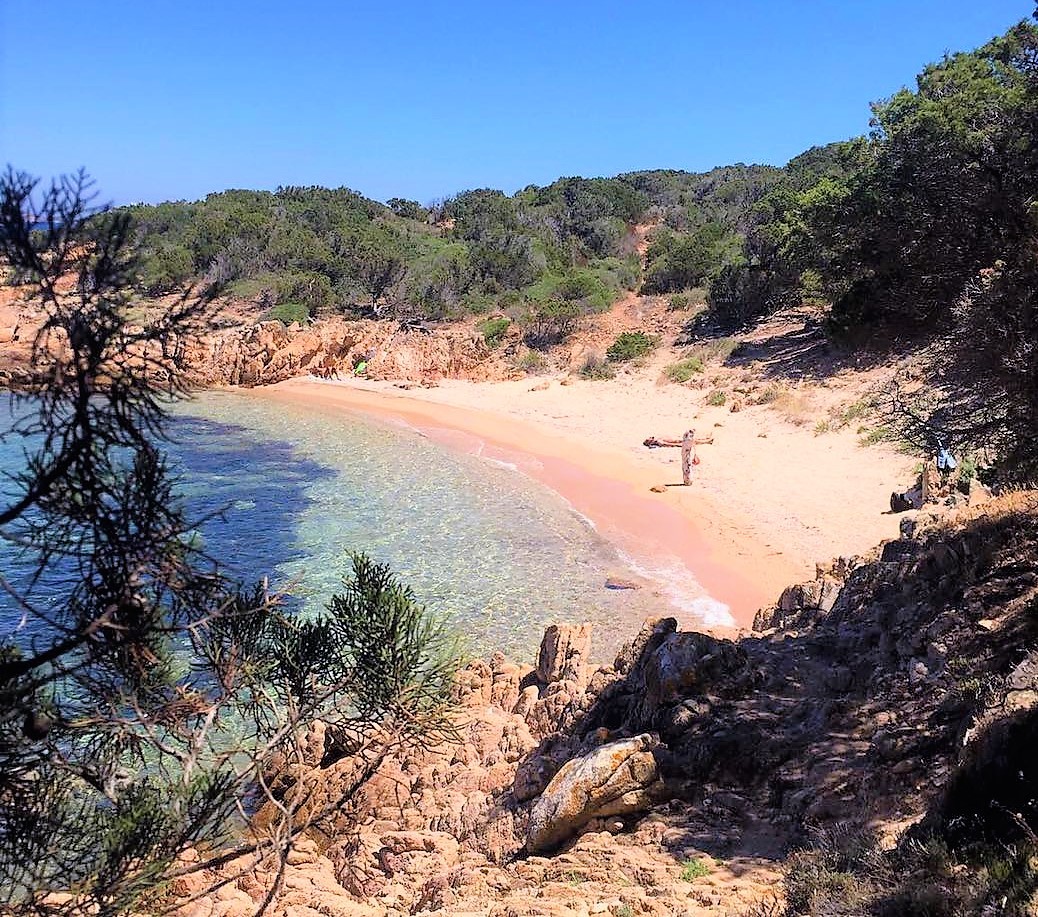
{"x": 768, "y": 500}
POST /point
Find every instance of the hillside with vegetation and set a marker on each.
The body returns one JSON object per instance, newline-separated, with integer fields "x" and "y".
{"x": 924, "y": 228}
{"x": 867, "y": 748}
{"x": 554, "y": 252}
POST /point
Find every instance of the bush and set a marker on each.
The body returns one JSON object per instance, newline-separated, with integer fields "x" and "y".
{"x": 494, "y": 330}
{"x": 742, "y": 293}
{"x": 531, "y": 362}
{"x": 630, "y": 346}
{"x": 312, "y": 289}
{"x": 167, "y": 268}
{"x": 288, "y": 312}
{"x": 838, "y": 876}
{"x": 675, "y": 261}
{"x": 596, "y": 368}
{"x": 694, "y": 869}
{"x": 716, "y": 398}
{"x": 550, "y": 324}
{"x": 679, "y": 302}
{"x": 586, "y": 289}
{"x": 684, "y": 370}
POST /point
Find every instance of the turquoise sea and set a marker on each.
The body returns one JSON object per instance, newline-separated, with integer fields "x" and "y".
{"x": 285, "y": 492}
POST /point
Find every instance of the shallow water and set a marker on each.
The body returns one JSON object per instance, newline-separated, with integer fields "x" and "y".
{"x": 285, "y": 492}
{"x": 498, "y": 554}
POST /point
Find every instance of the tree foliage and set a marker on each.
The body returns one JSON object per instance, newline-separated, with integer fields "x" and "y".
{"x": 934, "y": 233}
{"x": 944, "y": 187}
{"x": 145, "y": 698}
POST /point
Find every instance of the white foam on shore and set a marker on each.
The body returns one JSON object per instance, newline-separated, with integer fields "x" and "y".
{"x": 683, "y": 590}
{"x": 510, "y": 466}
{"x": 587, "y": 520}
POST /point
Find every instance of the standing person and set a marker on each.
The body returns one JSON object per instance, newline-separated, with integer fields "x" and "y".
{"x": 688, "y": 456}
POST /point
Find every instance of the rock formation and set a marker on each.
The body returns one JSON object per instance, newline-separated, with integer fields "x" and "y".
{"x": 235, "y": 349}
{"x": 268, "y": 352}
{"x": 615, "y": 779}
{"x": 854, "y": 706}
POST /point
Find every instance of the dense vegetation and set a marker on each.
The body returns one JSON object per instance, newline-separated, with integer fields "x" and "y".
{"x": 925, "y": 226}
{"x": 326, "y": 249}
{"x": 566, "y": 249}
{"x": 933, "y": 232}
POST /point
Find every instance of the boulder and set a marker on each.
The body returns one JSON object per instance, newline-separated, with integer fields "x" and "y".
{"x": 689, "y": 663}
{"x": 614, "y": 779}
{"x": 978, "y": 493}
{"x": 564, "y": 654}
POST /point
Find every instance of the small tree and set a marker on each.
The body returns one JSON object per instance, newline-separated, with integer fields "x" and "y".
{"x": 377, "y": 267}
{"x": 550, "y": 323}
{"x": 144, "y": 698}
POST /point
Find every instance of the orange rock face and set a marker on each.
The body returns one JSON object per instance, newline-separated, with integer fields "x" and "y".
{"x": 270, "y": 352}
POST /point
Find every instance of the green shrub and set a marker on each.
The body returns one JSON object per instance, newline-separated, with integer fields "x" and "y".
{"x": 694, "y": 869}
{"x": 288, "y": 312}
{"x": 167, "y": 268}
{"x": 578, "y": 285}
{"x": 587, "y": 290}
{"x": 850, "y": 412}
{"x": 684, "y": 370}
{"x": 875, "y": 435}
{"x": 596, "y": 368}
{"x": 630, "y": 346}
{"x": 813, "y": 887}
{"x": 716, "y": 398}
{"x": 494, "y": 330}
{"x": 312, "y": 289}
{"x": 618, "y": 273}
{"x": 476, "y": 304}
{"x": 679, "y": 302}
{"x": 260, "y": 288}
{"x": 967, "y": 472}
{"x": 550, "y": 323}
{"x": 531, "y": 362}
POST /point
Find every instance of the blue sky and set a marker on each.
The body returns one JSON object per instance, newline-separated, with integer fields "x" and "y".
{"x": 168, "y": 99}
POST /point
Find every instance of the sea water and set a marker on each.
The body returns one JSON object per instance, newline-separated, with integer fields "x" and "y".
{"x": 287, "y": 492}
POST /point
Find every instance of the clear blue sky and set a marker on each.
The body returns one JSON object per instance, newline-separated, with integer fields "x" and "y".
{"x": 167, "y": 99}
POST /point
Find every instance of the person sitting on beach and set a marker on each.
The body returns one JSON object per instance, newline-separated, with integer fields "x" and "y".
{"x": 360, "y": 364}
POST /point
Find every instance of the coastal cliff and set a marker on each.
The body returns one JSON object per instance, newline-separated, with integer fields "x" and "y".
{"x": 267, "y": 352}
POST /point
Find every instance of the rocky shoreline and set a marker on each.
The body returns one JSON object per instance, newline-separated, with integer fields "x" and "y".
{"x": 269, "y": 352}
{"x": 577, "y": 792}
{"x": 254, "y": 353}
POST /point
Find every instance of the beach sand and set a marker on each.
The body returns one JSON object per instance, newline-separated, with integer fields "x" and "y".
{"x": 768, "y": 500}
